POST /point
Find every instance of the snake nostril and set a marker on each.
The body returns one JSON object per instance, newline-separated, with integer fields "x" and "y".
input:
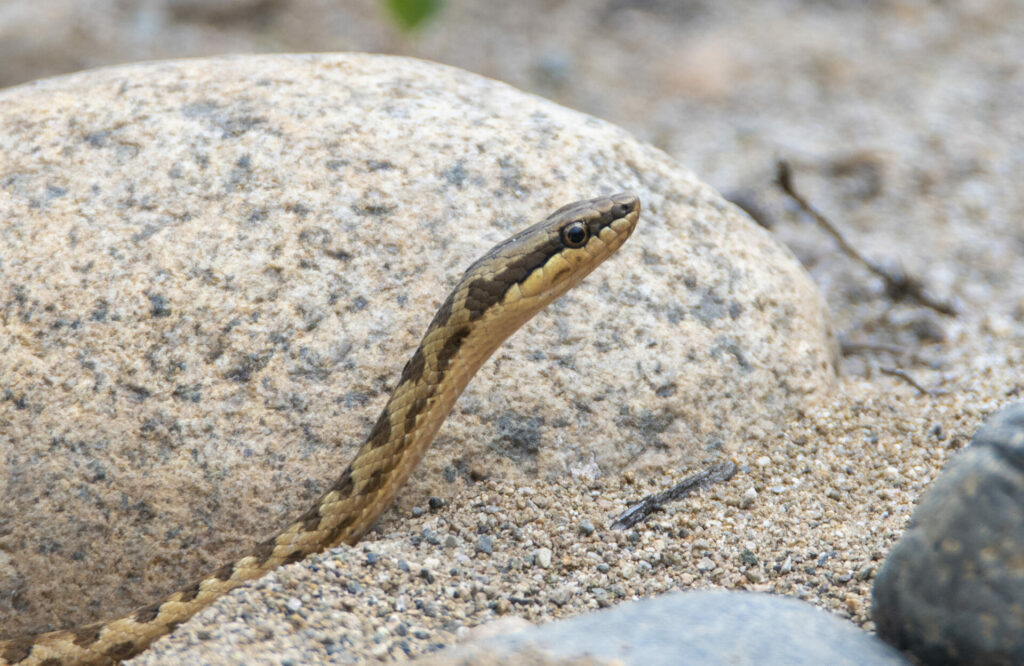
{"x": 625, "y": 204}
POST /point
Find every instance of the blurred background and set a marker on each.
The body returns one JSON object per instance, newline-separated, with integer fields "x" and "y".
{"x": 903, "y": 119}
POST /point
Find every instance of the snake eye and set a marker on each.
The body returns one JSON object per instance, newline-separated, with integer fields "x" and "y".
{"x": 575, "y": 234}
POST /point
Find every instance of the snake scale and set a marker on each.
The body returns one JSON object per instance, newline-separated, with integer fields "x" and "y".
{"x": 498, "y": 293}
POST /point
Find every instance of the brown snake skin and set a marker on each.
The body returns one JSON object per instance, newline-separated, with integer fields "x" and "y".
{"x": 498, "y": 294}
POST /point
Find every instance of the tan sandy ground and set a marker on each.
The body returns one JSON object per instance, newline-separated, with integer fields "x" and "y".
{"x": 824, "y": 500}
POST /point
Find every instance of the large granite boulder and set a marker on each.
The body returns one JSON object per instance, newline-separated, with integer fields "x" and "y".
{"x": 212, "y": 272}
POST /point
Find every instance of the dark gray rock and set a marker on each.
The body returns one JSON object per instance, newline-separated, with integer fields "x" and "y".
{"x": 706, "y": 627}
{"x": 952, "y": 589}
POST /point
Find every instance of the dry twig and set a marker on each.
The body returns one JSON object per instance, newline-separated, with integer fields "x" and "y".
{"x": 898, "y": 284}
{"x": 905, "y": 376}
{"x": 648, "y": 505}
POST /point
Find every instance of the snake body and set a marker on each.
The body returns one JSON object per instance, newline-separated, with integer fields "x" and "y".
{"x": 497, "y": 294}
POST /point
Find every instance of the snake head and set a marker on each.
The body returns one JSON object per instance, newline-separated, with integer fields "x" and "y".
{"x": 528, "y": 271}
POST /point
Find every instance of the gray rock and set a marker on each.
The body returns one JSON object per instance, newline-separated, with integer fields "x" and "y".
{"x": 952, "y": 589}
{"x": 485, "y": 544}
{"x": 706, "y": 627}
{"x": 249, "y": 249}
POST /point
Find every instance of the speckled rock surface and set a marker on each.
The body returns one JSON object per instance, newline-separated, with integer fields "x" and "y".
{"x": 952, "y": 589}
{"x": 213, "y": 271}
{"x": 703, "y": 627}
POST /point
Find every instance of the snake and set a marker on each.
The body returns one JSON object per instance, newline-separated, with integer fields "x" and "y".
{"x": 498, "y": 293}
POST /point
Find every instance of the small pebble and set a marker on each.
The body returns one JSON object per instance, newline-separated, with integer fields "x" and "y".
{"x": 748, "y": 498}
{"x": 561, "y": 596}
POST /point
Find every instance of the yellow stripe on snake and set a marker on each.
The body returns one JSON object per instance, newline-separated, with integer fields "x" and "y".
{"x": 499, "y": 293}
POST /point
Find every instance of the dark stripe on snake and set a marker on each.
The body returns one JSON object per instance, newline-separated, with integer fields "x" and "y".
{"x": 381, "y": 432}
{"x": 374, "y": 483}
{"x": 17, "y": 649}
{"x": 148, "y": 613}
{"x": 414, "y": 410}
{"x": 311, "y": 519}
{"x": 484, "y": 293}
{"x": 190, "y": 592}
{"x": 122, "y": 650}
{"x": 335, "y": 534}
{"x": 413, "y": 370}
{"x": 87, "y": 635}
{"x": 344, "y": 485}
{"x": 223, "y": 573}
